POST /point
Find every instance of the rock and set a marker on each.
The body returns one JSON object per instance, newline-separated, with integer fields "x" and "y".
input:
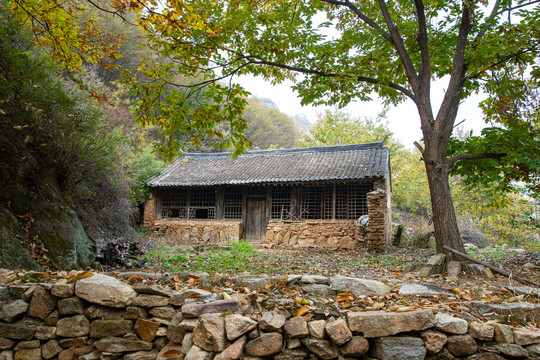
{"x": 42, "y": 303}
{"x": 142, "y": 355}
{"x": 381, "y": 323}
{"x": 189, "y": 324}
{"x": 196, "y": 310}
{"x": 266, "y": 345}
{"x": 421, "y": 289}
{"x": 118, "y": 345}
{"x": 233, "y": 352}
{"x": 101, "y": 312}
{"x": 71, "y": 306}
{"x": 7, "y": 354}
{"x": 436, "y": 260}
{"x": 163, "y": 312}
{"x": 105, "y": 328}
{"x": 293, "y": 343}
{"x": 178, "y": 298}
{"x": 146, "y": 329}
{"x": 481, "y": 331}
{"x": 512, "y": 350}
{"x": 358, "y": 286}
{"x": 134, "y": 313}
{"x": 520, "y": 310}
{"x": 50, "y": 349}
{"x": 196, "y": 353}
{"x": 534, "y": 350}
{"x": 68, "y": 354}
{"x": 73, "y": 342}
{"x": 338, "y": 331}
{"x": 170, "y": 351}
{"x": 290, "y": 354}
{"x": 6, "y": 344}
{"x": 14, "y": 254}
{"x": 322, "y": 348}
{"x": 525, "y": 290}
{"x": 357, "y": 346}
{"x": 28, "y": 354}
{"x": 187, "y": 342}
{"x": 433, "y": 340}
{"x": 316, "y": 328}
{"x": 296, "y": 327}
{"x": 271, "y": 321}
{"x": 450, "y": 324}
{"x": 150, "y": 301}
{"x": 453, "y": 268}
{"x": 209, "y": 334}
{"x": 20, "y": 330}
{"x": 526, "y": 336}
{"x": 152, "y": 290}
{"x": 461, "y": 345}
{"x": 62, "y": 289}
{"x": 175, "y": 333}
{"x": 503, "y": 333}
{"x": 74, "y": 326}
{"x": 28, "y": 344}
{"x": 427, "y": 270}
{"x": 488, "y": 356}
{"x": 253, "y": 282}
{"x": 105, "y": 290}
{"x": 399, "y": 348}
{"x": 238, "y": 325}
{"x": 45, "y": 332}
{"x": 13, "y": 310}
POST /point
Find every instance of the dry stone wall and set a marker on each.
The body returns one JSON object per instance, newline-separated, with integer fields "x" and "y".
{"x": 101, "y": 317}
{"x": 197, "y": 232}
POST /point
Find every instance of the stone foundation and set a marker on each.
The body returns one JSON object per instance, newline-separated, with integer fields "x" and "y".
{"x": 197, "y": 232}
{"x": 335, "y": 234}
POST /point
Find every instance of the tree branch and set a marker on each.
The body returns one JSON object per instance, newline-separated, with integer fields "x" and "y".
{"x": 419, "y": 147}
{"x": 424, "y": 72}
{"x": 400, "y": 47}
{"x": 454, "y": 159}
{"x": 361, "y": 16}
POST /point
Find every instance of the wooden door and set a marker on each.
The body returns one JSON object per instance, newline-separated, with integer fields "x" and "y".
{"x": 255, "y": 227}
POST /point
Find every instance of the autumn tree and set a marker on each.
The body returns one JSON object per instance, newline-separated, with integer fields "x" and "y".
{"x": 335, "y": 51}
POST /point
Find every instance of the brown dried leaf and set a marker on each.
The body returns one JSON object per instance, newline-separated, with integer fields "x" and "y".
{"x": 302, "y": 311}
{"x": 171, "y": 353}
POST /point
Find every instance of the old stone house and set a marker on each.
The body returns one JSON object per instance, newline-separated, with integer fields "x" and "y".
{"x": 306, "y": 197}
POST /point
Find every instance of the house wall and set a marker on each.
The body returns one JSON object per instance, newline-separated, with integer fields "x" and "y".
{"x": 177, "y": 232}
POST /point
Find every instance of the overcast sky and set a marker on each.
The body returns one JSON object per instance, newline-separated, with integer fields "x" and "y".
{"x": 403, "y": 120}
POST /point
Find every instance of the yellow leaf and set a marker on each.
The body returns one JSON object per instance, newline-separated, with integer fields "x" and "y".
{"x": 405, "y": 308}
{"x": 304, "y": 301}
{"x": 171, "y": 353}
{"x": 302, "y": 311}
{"x": 226, "y": 296}
{"x": 79, "y": 276}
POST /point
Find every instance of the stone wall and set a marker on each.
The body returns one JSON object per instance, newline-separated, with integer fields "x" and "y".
{"x": 197, "y": 231}
{"x": 378, "y": 238}
{"x": 150, "y": 209}
{"x": 335, "y": 234}
{"x": 101, "y": 317}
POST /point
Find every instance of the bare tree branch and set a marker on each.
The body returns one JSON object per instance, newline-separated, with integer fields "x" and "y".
{"x": 454, "y": 159}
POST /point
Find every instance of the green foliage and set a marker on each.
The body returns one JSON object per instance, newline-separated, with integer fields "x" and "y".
{"x": 268, "y": 127}
{"x": 409, "y": 182}
{"x": 141, "y": 165}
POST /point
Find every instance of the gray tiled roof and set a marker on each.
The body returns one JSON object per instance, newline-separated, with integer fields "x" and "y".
{"x": 345, "y": 162}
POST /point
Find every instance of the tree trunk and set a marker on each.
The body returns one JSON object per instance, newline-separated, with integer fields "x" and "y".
{"x": 444, "y": 216}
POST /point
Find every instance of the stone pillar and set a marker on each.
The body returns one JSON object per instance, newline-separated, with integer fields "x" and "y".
{"x": 149, "y": 212}
{"x": 376, "y": 242}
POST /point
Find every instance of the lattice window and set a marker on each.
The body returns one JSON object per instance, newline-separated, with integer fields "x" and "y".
{"x": 202, "y": 204}
{"x": 281, "y": 202}
{"x": 311, "y": 202}
{"x": 233, "y": 204}
{"x": 173, "y": 203}
{"x": 327, "y": 202}
{"x": 357, "y": 200}
{"x": 341, "y": 202}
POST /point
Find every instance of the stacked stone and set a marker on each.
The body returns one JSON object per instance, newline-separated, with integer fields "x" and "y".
{"x": 181, "y": 231}
{"x": 100, "y": 317}
{"x": 334, "y": 234}
{"x": 376, "y": 201}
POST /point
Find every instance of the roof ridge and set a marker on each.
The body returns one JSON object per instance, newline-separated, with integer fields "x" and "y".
{"x": 313, "y": 149}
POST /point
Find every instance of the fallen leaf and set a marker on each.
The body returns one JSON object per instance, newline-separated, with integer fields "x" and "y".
{"x": 171, "y": 353}
{"x": 304, "y": 301}
{"x": 79, "y": 276}
{"x": 302, "y": 311}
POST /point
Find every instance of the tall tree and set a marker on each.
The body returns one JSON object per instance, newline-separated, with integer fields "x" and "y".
{"x": 344, "y": 50}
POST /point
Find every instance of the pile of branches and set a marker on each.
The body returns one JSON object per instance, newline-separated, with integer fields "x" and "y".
{"x": 118, "y": 252}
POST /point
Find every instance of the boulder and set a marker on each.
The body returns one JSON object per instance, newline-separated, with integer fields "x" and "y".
{"x": 13, "y": 310}
{"x": 322, "y": 348}
{"x": 338, "y": 331}
{"x": 209, "y": 334}
{"x": 399, "y": 348}
{"x": 481, "y": 331}
{"x": 74, "y": 326}
{"x": 358, "y": 286}
{"x": 503, "y": 333}
{"x": 20, "y": 330}
{"x": 105, "y": 290}
{"x": 271, "y": 321}
{"x": 316, "y": 328}
{"x": 381, "y": 323}
{"x": 238, "y": 325}
{"x": 63, "y": 289}
{"x": 42, "y": 303}
{"x": 296, "y": 327}
{"x": 433, "y": 340}
{"x": 461, "y": 345}
{"x": 356, "y": 347}
{"x": 450, "y": 324}
{"x": 526, "y": 336}
{"x": 266, "y": 345}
